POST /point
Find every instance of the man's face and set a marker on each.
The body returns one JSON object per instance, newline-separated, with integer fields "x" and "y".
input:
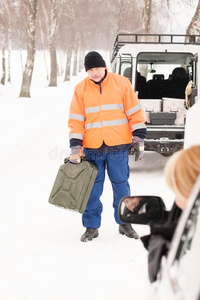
{"x": 96, "y": 74}
{"x": 132, "y": 202}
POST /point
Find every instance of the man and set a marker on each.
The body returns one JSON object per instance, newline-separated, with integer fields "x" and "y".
{"x": 104, "y": 116}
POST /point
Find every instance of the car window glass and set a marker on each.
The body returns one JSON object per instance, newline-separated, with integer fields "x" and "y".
{"x": 189, "y": 231}
{"x": 187, "y": 258}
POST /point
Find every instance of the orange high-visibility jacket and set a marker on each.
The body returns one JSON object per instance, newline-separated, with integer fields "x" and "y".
{"x": 109, "y": 112}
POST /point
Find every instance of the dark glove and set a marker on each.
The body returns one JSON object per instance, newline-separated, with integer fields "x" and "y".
{"x": 137, "y": 147}
{"x": 76, "y": 154}
{"x": 158, "y": 246}
{"x": 166, "y": 229}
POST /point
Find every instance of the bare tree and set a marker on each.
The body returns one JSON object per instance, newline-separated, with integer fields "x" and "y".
{"x": 43, "y": 29}
{"x": 31, "y": 32}
{"x": 56, "y": 13}
{"x": 20, "y": 49}
{"x": 71, "y": 20}
{"x": 121, "y": 11}
{"x": 9, "y": 12}
{"x": 146, "y": 16}
{"x": 193, "y": 27}
{"x": 19, "y": 27}
{"x": 83, "y": 29}
{"x": 75, "y": 58}
{"x": 68, "y": 64}
{"x": 3, "y": 41}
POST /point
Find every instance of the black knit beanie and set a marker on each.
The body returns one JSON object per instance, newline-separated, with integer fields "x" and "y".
{"x": 93, "y": 60}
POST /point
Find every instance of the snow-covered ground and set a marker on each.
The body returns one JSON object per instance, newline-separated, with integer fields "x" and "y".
{"x": 41, "y": 256}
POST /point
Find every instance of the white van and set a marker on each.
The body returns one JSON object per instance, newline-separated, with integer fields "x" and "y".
{"x": 160, "y": 67}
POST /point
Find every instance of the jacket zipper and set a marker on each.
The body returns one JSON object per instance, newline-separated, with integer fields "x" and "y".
{"x": 100, "y": 88}
{"x": 100, "y": 111}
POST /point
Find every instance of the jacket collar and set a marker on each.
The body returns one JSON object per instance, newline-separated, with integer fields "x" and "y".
{"x": 105, "y": 76}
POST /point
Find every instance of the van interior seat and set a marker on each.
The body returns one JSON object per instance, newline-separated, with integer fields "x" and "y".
{"x": 140, "y": 82}
{"x": 141, "y": 85}
{"x": 127, "y": 73}
{"x": 158, "y": 77}
{"x": 174, "y": 87}
{"x": 177, "y": 83}
{"x": 155, "y": 87}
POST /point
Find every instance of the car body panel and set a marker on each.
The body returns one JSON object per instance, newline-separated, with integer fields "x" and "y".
{"x": 179, "y": 275}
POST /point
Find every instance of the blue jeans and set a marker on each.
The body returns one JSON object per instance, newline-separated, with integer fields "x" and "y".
{"x": 118, "y": 172}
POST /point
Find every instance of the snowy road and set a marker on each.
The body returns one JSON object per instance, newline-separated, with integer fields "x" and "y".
{"x": 41, "y": 256}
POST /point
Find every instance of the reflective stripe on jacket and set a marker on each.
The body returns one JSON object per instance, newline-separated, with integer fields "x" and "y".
{"x": 109, "y": 113}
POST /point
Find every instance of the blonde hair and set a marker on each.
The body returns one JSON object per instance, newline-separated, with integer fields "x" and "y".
{"x": 181, "y": 172}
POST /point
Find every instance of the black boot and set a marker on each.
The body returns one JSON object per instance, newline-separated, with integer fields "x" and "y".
{"x": 89, "y": 234}
{"x": 128, "y": 231}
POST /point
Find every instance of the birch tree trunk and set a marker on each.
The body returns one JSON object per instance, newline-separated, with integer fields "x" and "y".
{"x": 146, "y": 16}
{"x": 193, "y": 27}
{"x": 68, "y": 65}
{"x": 76, "y": 51}
{"x": 71, "y": 42}
{"x": 75, "y": 60}
{"x": 44, "y": 10}
{"x": 31, "y": 31}
{"x": 44, "y": 52}
{"x": 81, "y": 61}
{"x": 56, "y": 13}
{"x": 3, "y": 60}
{"x": 20, "y": 50}
{"x": 52, "y": 44}
{"x": 3, "y": 43}
{"x": 9, "y": 40}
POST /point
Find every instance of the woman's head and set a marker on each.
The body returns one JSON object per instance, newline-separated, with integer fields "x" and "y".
{"x": 181, "y": 172}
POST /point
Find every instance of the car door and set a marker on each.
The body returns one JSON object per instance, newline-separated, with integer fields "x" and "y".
{"x": 179, "y": 276}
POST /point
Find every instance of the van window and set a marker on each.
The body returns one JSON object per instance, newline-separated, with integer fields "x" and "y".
{"x": 167, "y": 74}
{"x": 126, "y": 69}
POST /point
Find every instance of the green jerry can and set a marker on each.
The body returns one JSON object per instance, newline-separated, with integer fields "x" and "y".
{"x": 73, "y": 185}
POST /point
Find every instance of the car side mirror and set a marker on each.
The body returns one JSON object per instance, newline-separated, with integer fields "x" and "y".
{"x": 141, "y": 209}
